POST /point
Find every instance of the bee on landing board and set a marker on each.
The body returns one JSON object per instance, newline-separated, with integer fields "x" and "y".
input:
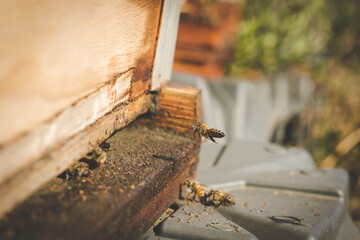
{"x": 212, "y": 197}
{"x": 92, "y": 160}
{"x": 208, "y": 132}
{"x": 96, "y": 157}
{"x": 218, "y": 198}
{"x": 196, "y": 190}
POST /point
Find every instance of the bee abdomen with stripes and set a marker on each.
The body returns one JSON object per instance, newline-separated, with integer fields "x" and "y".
{"x": 207, "y": 132}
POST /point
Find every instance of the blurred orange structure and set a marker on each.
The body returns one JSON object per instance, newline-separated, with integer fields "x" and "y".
{"x": 206, "y": 33}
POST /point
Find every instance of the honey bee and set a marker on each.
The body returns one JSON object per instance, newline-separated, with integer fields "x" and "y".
{"x": 208, "y": 132}
{"x": 196, "y": 190}
{"x": 105, "y": 146}
{"x": 78, "y": 169}
{"x": 96, "y": 157}
{"x": 92, "y": 160}
{"x": 212, "y": 197}
{"x": 218, "y": 198}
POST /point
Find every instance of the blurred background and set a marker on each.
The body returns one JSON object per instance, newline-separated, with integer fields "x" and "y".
{"x": 260, "y": 42}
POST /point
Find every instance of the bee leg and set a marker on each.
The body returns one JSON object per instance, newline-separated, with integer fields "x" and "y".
{"x": 212, "y": 139}
{"x": 187, "y": 196}
{"x": 194, "y": 196}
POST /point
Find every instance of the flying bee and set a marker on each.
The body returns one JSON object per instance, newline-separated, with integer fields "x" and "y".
{"x": 218, "y": 198}
{"x": 196, "y": 190}
{"x": 208, "y": 132}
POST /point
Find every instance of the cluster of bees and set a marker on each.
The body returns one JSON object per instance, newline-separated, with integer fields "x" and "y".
{"x": 92, "y": 160}
{"x": 211, "y": 197}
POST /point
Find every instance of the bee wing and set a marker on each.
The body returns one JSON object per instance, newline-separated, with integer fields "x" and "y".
{"x": 195, "y": 123}
{"x": 205, "y": 187}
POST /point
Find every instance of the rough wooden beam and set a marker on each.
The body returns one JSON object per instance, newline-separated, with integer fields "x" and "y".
{"x": 45, "y": 138}
{"x": 70, "y": 82}
{"x": 75, "y": 63}
{"x": 140, "y": 178}
{"x": 178, "y": 107}
{"x": 25, "y": 181}
{"x": 55, "y": 53}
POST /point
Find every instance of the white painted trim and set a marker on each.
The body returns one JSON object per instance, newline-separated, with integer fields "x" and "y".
{"x": 166, "y": 44}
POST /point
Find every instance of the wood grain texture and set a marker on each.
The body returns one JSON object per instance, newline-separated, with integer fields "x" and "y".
{"x": 63, "y": 67}
{"x": 121, "y": 199}
{"x": 17, "y": 188}
{"x": 71, "y": 73}
{"x": 48, "y": 136}
{"x": 54, "y": 53}
{"x": 205, "y": 40}
{"x": 178, "y": 107}
{"x": 167, "y": 41}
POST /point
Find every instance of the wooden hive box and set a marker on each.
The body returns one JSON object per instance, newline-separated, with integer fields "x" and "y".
{"x": 72, "y": 73}
{"x": 207, "y": 31}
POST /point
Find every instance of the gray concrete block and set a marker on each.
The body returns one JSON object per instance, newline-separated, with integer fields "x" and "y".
{"x": 197, "y": 222}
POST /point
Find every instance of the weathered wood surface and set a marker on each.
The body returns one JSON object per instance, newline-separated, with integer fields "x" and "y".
{"x": 18, "y": 187}
{"x": 71, "y": 73}
{"x": 42, "y": 140}
{"x": 123, "y": 198}
{"x": 120, "y": 200}
{"x": 74, "y": 62}
{"x": 54, "y": 53}
{"x": 178, "y": 107}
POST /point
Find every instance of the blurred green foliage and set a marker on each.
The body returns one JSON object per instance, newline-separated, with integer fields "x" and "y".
{"x": 344, "y": 41}
{"x": 324, "y": 36}
{"x": 276, "y": 34}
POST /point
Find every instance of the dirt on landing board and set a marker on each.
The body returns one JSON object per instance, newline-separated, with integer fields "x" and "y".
{"x": 144, "y": 167}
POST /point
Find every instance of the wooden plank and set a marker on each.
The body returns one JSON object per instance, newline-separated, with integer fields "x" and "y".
{"x": 167, "y": 40}
{"x": 140, "y": 178}
{"x": 119, "y": 200}
{"x": 44, "y": 139}
{"x": 178, "y": 107}
{"x": 54, "y": 53}
{"x": 205, "y": 36}
{"x": 28, "y": 179}
{"x": 87, "y": 74}
{"x": 74, "y": 63}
